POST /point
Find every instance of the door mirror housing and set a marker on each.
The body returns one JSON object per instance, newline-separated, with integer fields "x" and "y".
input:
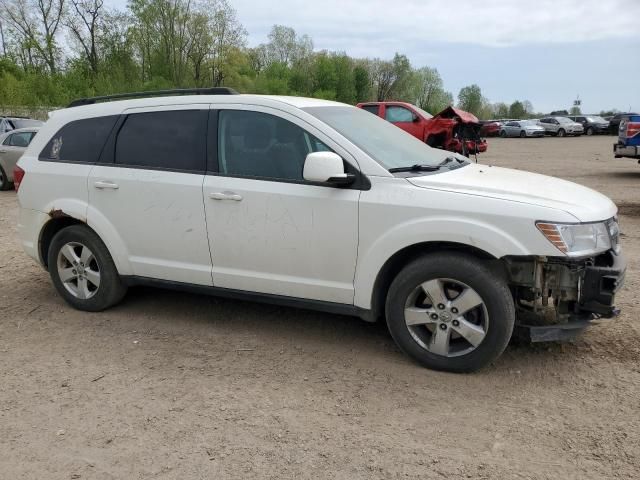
{"x": 326, "y": 167}
{"x": 416, "y": 118}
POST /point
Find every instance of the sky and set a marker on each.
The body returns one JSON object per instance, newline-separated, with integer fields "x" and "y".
{"x": 546, "y": 51}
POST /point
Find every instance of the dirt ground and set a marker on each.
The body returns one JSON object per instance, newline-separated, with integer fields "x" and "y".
{"x": 177, "y": 386}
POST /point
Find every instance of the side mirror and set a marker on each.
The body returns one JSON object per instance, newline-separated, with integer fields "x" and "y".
{"x": 326, "y": 167}
{"x": 416, "y": 118}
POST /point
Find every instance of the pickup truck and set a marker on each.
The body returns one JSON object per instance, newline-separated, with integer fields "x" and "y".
{"x": 452, "y": 129}
{"x": 628, "y": 144}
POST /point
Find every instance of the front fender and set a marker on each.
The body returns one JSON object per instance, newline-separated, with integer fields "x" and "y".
{"x": 468, "y": 231}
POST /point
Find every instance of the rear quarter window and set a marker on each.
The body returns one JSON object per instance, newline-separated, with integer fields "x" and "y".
{"x": 79, "y": 141}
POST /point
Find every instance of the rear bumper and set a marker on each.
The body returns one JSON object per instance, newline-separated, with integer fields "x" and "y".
{"x": 632, "y": 151}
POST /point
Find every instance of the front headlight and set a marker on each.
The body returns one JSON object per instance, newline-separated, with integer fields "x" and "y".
{"x": 582, "y": 238}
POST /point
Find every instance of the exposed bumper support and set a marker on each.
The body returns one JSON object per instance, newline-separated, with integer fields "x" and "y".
{"x": 557, "y": 298}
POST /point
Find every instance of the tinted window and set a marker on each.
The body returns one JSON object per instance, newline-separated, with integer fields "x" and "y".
{"x": 79, "y": 141}
{"x": 257, "y": 144}
{"x": 371, "y": 109}
{"x": 398, "y": 114}
{"x": 173, "y": 140}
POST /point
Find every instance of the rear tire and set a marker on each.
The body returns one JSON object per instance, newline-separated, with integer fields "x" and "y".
{"x": 474, "y": 337}
{"x": 5, "y": 184}
{"x": 83, "y": 271}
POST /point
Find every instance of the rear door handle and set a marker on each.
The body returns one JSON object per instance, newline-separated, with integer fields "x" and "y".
{"x": 101, "y": 185}
{"x": 225, "y": 196}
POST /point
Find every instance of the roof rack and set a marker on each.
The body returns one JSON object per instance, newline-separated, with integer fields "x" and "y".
{"x": 154, "y": 93}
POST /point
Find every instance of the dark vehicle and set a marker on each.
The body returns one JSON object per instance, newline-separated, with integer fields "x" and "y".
{"x": 628, "y": 138}
{"x": 592, "y": 124}
{"x": 614, "y": 123}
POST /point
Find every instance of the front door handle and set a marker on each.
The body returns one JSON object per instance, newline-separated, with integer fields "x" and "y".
{"x": 101, "y": 185}
{"x": 225, "y": 196}
{"x": 4, "y": 151}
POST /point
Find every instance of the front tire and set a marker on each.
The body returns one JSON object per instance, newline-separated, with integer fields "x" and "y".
{"x": 561, "y": 133}
{"x": 523, "y": 134}
{"x": 503, "y": 134}
{"x": 448, "y": 311}
{"x": 589, "y": 131}
{"x": 83, "y": 271}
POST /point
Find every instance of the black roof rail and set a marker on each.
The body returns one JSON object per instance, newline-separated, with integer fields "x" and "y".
{"x": 154, "y": 93}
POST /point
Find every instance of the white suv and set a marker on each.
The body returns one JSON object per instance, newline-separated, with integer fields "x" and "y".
{"x": 317, "y": 204}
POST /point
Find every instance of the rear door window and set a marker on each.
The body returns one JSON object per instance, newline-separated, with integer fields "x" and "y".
{"x": 21, "y": 139}
{"x": 372, "y": 108}
{"x": 79, "y": 141}
{"x": 166, "y": 140}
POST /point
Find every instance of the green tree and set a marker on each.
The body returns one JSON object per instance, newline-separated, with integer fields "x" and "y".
{"x": 470, "y": 99}
{"x": 516, "y": 110}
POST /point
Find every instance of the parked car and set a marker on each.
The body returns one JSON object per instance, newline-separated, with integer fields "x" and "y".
{"x": 614, "y": 122}
{"x": 561, "y": 126}
{"x": 490, "y": 128}
{"x": 311, "y": 203}
{"x": 452, "y": 129}
{"x": 522, "y": 128}
{"x": 592, "y": 124}
{"x": 628, "y": 144}
{"x": 12, "y": 146}
{"x": 12, "y": 123}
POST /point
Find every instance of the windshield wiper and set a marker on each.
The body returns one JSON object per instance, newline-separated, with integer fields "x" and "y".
{"x": 416, "y": 168}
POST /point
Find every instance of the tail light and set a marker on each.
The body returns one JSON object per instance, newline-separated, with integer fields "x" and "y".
{"x": 18, "y": 175}
{"x": 633, "y": 128}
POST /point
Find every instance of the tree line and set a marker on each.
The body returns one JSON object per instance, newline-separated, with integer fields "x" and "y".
{"x": 56, "y": 50}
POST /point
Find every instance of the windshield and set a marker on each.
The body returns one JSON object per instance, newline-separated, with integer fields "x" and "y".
{"x": 596, "y": 120}
{"x": 564, "y": 120}
{"x": 25, "y": 122}
{"x": 528, "y": 123}
{"x": 387, "y": 144}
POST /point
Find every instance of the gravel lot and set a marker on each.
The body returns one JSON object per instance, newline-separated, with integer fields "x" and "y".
{"x": 176, "y": 386}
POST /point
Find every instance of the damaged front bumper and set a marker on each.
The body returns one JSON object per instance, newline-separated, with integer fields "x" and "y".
{"x": 557, "y": 298}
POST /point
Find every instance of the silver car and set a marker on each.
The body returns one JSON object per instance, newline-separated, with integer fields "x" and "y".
{"x": 12, "y": 146}
{"x": 521, "y": 128}
{"x": 561, "y": 126}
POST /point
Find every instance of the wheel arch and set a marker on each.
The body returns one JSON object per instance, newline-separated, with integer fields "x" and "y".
{"x": 404, "y": 256}
{"x": 60, "y": 219}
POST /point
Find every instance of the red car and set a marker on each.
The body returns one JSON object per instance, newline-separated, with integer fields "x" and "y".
{"x": 452, "y": 129}
{"x": 490, "y": 128}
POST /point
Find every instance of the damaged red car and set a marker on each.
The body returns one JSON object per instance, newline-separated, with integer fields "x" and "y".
{"x": 451, "y": 129}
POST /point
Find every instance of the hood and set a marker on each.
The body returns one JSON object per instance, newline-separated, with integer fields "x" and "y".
{"x": 451, "y": 112}
{"x": 524, "y": 187}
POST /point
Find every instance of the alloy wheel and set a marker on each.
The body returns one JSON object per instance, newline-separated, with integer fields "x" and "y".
{"x": 78, "y": 270}
{"x": 446, "y": 317}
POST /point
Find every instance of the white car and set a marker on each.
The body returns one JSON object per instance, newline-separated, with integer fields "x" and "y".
{"x": 561, "y": 126}
{"x": 316, "y": 204}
